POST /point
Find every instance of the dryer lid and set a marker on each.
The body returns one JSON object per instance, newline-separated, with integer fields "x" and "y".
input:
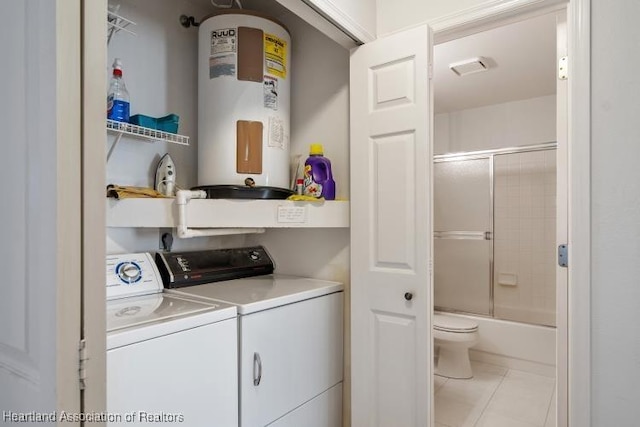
{"x": 446, "y": 323}
{"x": 252, "y": 294}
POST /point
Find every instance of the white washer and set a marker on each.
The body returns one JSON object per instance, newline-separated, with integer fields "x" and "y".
{"x": 170, "y": 360}
{"x": 291, "y": 354}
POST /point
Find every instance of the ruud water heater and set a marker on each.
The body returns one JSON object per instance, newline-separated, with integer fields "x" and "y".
{"x": 244, "y": 75}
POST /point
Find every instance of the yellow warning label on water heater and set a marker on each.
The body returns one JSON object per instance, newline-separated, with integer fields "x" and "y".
{"x": 275, "y": 55}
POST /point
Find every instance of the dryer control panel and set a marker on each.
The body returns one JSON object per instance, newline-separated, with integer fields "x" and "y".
{"x": 196, "y": 267}
{"x": 132, "y": 274}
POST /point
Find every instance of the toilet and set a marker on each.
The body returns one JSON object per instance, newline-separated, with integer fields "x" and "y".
{"x": 453, "y": 337}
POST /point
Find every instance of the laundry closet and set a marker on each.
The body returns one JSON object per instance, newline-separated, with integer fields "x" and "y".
{"x": 290, "y": 357}
{"x": 369, "y": 107}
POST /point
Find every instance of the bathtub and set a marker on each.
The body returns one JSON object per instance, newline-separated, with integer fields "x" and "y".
{"x": 514, "y": 345}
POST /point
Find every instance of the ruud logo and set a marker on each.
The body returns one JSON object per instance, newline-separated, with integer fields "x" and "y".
{"x": 227, "y": 32}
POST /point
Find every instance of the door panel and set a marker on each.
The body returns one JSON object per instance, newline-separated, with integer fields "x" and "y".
{"x": 40, "y": 255}
{"x": 395, "y": 361}
{"x": 391, "y": 231}
{"x": 393, "y": 160}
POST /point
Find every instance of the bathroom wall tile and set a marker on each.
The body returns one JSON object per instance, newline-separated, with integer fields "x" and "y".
{"x": 530, "y": 233}
{"x": 537, "y": 188}
{"x": 513, "y": 209}
{"x": 538, "y": 210}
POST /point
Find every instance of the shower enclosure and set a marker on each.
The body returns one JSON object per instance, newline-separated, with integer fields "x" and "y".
{"x": 494, "y": 238}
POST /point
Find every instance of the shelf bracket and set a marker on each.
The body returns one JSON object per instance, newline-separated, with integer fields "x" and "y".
{"x": 113, "y": 146}
{"x": 184, "y": 232}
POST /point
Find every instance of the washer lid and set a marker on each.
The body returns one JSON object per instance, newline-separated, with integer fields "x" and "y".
{"x": 135, "y": 319}
{"x": 445, "y": 323}
{"x": 259, "y": 293}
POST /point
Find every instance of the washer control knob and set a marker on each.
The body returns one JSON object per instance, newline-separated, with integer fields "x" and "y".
{"x": 254, "y": 255}
{"x": 129, "y": 272}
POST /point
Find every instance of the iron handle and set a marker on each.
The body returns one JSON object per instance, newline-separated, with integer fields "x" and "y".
{"x": 408, "y": 296}
{"x": 257, "y": 369}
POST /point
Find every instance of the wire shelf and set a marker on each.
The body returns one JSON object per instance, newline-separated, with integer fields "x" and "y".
{"x": 116, "y": 23}
{"x": 146, "y": 133}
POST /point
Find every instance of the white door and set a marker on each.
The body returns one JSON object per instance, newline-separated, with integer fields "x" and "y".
{"x": 94, "y": 86}
{"x": 391, "y": 227}
{"x": 40, "y": 253}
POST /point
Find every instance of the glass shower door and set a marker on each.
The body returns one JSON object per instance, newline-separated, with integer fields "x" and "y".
{"x": 463, "y": 250}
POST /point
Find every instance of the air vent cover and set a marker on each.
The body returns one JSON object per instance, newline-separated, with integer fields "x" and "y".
{"x": 469, "y": 66}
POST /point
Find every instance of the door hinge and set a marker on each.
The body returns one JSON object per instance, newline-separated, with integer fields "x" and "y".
{"x": 563, "y": 255}
{"x": 430, "y": 71}
{"x": 82, "y": 361}
{"x": 563, "y": 68}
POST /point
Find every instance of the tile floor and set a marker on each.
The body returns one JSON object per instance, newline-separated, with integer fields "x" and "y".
{"x": 495, "y": 397}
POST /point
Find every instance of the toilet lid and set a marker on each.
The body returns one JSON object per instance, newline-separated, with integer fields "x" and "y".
{"x": 446, "y": 323}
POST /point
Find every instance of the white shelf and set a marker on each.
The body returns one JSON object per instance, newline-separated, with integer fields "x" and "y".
{"x": 147, "y": 134}
{"x": 228, "y": 213}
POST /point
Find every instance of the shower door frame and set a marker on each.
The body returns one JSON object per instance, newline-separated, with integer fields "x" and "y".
{"x": 471, "y": 235}
{"x": 463, "y": 235}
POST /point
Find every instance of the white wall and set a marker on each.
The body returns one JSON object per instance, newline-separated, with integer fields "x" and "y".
{"x": 615, "y": 213}
{"x": 319, "y": 98}
{"x": 159, "y": 69}
{"x": 526, "y": 122}
{"x": 394, "y": 15}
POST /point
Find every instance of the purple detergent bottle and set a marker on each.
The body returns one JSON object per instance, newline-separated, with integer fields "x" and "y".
{"x": 318, "y": 180}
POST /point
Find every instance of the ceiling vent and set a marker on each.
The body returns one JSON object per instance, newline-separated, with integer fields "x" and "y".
{"x": 470, "y": 66}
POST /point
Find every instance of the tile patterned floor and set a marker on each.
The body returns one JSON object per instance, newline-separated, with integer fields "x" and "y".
{"x": 495, "y": 397}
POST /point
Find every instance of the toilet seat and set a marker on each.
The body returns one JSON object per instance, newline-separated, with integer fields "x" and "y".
{"x": 446, "y": 323}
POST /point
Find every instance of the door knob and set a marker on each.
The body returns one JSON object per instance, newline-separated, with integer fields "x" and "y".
{"x": 408, "y": 296}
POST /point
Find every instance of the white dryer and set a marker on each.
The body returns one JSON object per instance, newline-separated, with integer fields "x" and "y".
{"x": 170, "y": 360}
{"x": 291, "y": 348}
